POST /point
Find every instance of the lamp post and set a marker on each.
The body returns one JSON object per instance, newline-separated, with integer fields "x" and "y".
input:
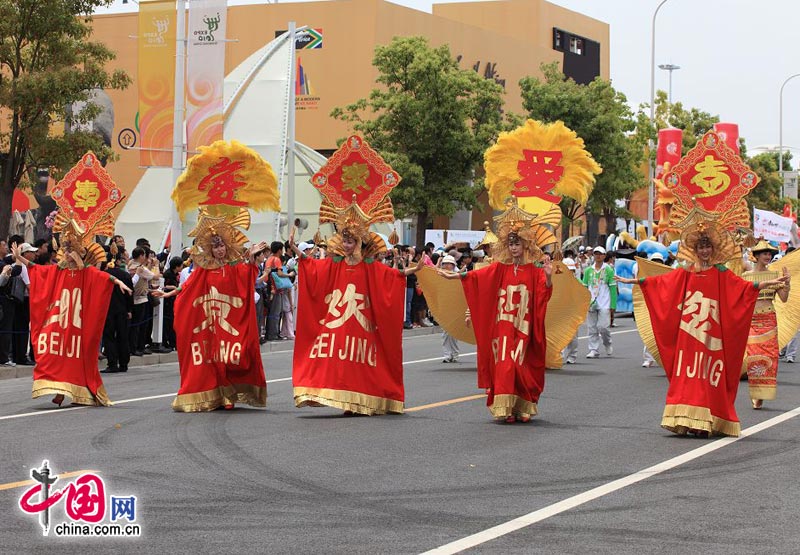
{"x": 670, "y": 68}
{"x": 650, "y": 176}
{"x": 780, "y": 126}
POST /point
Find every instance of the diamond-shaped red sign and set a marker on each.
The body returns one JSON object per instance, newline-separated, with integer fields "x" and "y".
{"x": 711, "y": 176}
{"x": 87, "y": 192}
{"x": 355, "y": 169}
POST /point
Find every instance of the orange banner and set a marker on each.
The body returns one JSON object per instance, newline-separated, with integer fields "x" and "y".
{"x": 156, "y": 79}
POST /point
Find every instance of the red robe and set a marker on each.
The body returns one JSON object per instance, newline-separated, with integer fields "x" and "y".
{"x": 348, "y": 350}
{"x": 701, "y": 321}
{"x": 66, "y": 328}
{"x": 507, "y": 310}
{"x": 217, "y": 339}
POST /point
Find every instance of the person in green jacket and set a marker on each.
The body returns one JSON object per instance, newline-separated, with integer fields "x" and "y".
{"x": 599, "y": 278}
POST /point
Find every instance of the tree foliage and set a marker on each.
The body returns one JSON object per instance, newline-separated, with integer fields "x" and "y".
{"x": 767, "y": 194}
{"x": 692, "y": 121}
{"x": 431, "y": 121}
{"x": 600, "y": 115}
{"x": 47, "y": 62}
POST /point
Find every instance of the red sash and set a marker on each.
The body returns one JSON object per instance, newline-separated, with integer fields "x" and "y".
{"x": 348, "y": 349}
{"x": 217, "y": 339}
{"x": 66, "y": 328}
{"x": 701, "y": 323}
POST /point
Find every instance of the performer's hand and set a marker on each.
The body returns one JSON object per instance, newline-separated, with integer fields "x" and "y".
{"x": 787, "y": 275}
{"x": 621, "y": 279}
{"x": 547, "y": 266}
{"x": 158, "y": 294}
{"x": 16, "y": 251}
{"x": 258, "y": 247}
{"x": 468, "y": 321}
{"x": 124, "y": 288}
{"x": 448, "y": 275}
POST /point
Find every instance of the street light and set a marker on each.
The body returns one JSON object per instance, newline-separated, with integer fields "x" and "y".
{"x": 670, "y": 68}
{"x": 650, "y": 176}
{"x": 780, "y": 126}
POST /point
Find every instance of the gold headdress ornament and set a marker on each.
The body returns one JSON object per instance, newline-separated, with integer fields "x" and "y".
{"x": 355, "y": 183}
{"x": 701, "y": 226}
{"x": 538, "y": 163}
{"x": 353, "y": 222}
{"x": 213, "y": 231}
{"x": 74, "y": 237}
{"x": 225, "y": 177}
{"x": 530, "y": 228}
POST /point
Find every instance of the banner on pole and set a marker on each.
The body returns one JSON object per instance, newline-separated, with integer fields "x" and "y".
{"x": 771, "y": 226}
{"x": 205, "y": 72}
{"x": 156, "y": 80}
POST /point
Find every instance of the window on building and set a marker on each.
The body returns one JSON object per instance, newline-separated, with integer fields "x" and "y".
{"x": 558, "y": 39}
{"x": 576, "y": 45}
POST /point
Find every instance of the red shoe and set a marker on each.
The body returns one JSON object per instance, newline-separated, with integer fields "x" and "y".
{"x": 58, "y": 399}
{"x": 229, "y": 406}
{"x": 511, "y": 419}
{"x": 524, "y": 419}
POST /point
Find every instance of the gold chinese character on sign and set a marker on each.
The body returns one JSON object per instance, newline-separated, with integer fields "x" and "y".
{"x": 512, "y": 306}
{"x": 702, "y": 312}
{"x": 711, "y": 177}
{"x": 86, "y": 194}
{"x": 217, "y": 307}
{"x": 354, "y": 177}
{"x": 343, "y": 306}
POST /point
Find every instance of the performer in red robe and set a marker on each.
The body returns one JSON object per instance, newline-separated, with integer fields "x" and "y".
{"x": 701, "y": 320}
{"x": 507, "y": 304}
{"x": 215, "y": 322}
{"x": 348, "y": 349}
{"x": 67, "y": 322}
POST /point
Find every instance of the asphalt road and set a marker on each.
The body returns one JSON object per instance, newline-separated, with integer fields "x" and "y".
{"x": 311, "y": 481}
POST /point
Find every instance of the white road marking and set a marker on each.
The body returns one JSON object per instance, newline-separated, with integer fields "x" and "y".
{"x": 600, "y": 491}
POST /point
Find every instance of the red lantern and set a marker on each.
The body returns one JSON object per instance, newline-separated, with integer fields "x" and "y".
{"x": 670, "y": 141}
{"x": 728, "y": 132}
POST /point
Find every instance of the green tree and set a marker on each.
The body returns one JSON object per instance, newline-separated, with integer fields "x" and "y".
{"x": 600, "y": 115}
{"x": 432, "y": 121}
{"x": 694, "y": 122}
{"x": 47, "y": 63}
{"x": 767, "y": 194}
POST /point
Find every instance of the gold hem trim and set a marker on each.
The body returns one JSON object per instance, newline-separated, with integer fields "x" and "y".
{"x": 79, "y": 394}
{"x": 512, "y": 405}
{"x": 679, "y": 419}
{"x": 359, "y": 403}
{"x": 765, "y": 393}
{"x": 213, "y": 399}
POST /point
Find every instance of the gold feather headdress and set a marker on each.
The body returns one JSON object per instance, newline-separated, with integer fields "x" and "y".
{"x": 212, "y": 231}
{"x": 353, "y": 222}
{"x": 701, "y": 227}
{"x": 572, "y": 174}
{"x": 531, "y": 229}
{"x": 73, "y": 237}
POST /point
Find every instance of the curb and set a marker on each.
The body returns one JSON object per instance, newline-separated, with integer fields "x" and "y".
{"x": 9, "y": 373}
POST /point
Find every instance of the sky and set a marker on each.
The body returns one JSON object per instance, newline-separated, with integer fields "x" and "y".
{"x": 734, "y": 55}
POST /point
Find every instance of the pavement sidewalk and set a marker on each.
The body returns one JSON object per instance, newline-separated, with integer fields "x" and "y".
{"x": 10, "y": 372}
